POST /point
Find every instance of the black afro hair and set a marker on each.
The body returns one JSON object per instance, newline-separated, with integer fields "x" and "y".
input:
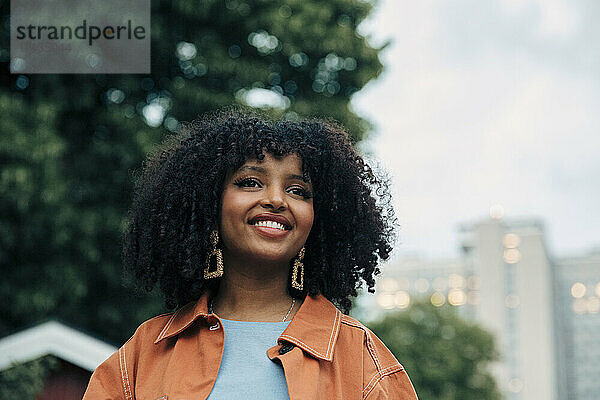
{"x": 177, "y": 196}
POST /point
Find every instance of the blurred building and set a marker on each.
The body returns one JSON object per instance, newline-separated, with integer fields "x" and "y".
{"x": 543, "y": 312}
{"x": 77, "y": 355}
{"x": 510, "y": 260}
{"x": 578, "y": 319}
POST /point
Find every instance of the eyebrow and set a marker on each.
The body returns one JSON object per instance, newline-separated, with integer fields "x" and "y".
{"x": 253, "y": 168}
{"x": 264, "y": 171}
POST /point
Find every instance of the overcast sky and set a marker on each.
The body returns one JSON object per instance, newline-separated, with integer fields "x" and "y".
{"x": 483, "y": 103}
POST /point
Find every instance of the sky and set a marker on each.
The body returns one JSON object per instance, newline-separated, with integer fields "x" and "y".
{"x": 486, "y": 103}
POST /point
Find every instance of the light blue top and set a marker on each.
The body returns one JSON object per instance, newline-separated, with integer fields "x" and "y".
{"x": 246, "y": 372}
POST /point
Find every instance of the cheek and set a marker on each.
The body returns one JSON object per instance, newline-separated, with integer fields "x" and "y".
{"x": 305, "y": 218}
{"x": 231, "y": 206}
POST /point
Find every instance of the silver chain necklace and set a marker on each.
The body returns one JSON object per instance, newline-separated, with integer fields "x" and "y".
{"x": 210, "y": 309}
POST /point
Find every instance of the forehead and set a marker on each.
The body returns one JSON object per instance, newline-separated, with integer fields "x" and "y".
{"x": 288, "y": 161}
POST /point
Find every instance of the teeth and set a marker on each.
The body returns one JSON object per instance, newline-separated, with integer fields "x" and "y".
{"x": 271, "y": 224}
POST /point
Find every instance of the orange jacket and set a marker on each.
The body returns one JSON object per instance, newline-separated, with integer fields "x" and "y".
{"x": 325, "y": 355}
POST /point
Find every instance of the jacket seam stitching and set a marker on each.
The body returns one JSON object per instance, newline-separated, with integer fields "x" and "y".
{"x": 372, "y": 350}
{"x": 379, "y": 376}
{"x": 370, "y": 347}
{"x": 348, "y": 321}
{"x": 124, "y": 374}
{"x": 167, "y": 326}
{"x": 336, "y": 327}
{"x": 293, "y": 339}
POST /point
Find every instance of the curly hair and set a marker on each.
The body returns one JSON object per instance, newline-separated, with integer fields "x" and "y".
{"x": 176, "y": 204}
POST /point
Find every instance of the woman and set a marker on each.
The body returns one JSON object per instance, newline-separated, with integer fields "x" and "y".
{"x": 252, "y": 229}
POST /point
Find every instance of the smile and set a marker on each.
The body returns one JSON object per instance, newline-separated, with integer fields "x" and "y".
{"x": 270, "y": 224}
{"x": 271, "y": 221}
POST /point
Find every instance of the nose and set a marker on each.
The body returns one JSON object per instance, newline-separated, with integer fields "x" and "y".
{"x": 274, "y": 199}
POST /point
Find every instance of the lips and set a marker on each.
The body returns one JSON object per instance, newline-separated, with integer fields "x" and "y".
{"x": 279, "y": 219}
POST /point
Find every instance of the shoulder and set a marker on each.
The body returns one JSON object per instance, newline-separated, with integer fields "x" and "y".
{"x": 113, "y": 378}
{"x": 142, "y": 343}
{"x": 383, "y": 375}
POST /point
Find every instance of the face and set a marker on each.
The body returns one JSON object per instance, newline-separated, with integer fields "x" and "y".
{"x": 267, "y": 210}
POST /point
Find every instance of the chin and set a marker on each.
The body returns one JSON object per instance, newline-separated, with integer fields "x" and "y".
{"x": 270, "y": 257}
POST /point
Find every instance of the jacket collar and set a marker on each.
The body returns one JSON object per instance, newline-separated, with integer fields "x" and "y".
{"x": 314, "y": 328}
{"x": 183, "y": 318}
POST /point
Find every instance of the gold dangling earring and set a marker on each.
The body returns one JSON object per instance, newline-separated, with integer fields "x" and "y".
{"x": 298, "y": 271}
{"x": 218, "y": 254}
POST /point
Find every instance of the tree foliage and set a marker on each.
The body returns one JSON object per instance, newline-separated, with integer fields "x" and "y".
{"x": 68, "y": 143}
{"x": 445, "y": 356}
{"x": 26, "y": 380}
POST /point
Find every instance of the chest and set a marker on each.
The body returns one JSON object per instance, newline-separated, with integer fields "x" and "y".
{"x": 189, "y": 369}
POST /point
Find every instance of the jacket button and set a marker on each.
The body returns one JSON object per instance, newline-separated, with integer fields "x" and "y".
{"x": 286, "y": 347}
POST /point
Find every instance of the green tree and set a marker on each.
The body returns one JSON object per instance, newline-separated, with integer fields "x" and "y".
{"x": 69, "y": 142}
{"x": 446, "y": 356}
{"x": 26, "y": 380}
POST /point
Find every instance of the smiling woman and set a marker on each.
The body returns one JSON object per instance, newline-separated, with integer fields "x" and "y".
{"x": 267, "y": 210}
{"x": 255, "y": 230}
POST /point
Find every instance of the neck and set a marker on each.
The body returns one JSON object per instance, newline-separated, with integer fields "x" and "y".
{"x": 253, "y": 291}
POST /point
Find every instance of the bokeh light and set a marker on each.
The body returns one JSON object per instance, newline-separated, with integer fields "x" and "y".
{"x": 578, "y": 290}
{"x": 438, "y": 299}
{"x": 511, "y": 240}
{"x": 402, "y": 299}
{"x": 512, "y": 256}
{"x": 457, "y": 297}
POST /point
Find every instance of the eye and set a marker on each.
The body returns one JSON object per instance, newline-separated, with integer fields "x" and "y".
{"x": 300, "y": 191}
{"x": 247, "y": 183}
